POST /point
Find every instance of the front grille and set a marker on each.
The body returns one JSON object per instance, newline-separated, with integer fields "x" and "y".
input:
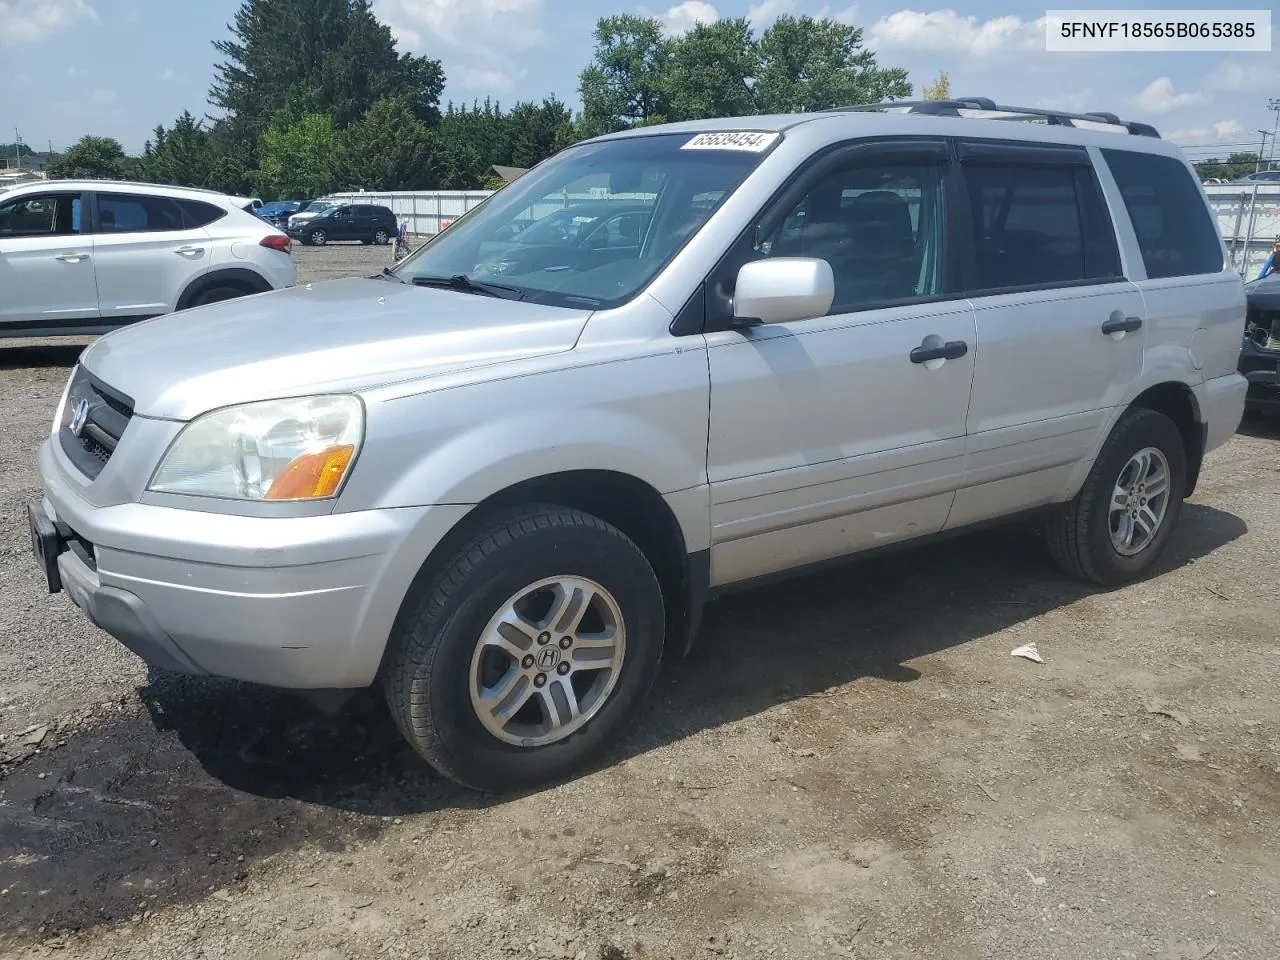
{"x": 106, "y": 414}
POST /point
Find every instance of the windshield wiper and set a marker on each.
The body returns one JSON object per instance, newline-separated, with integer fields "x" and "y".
{"x": 464, "y": 284}
{"x": 388, "y": 274}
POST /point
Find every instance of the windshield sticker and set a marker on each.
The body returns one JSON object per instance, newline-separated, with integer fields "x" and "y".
{"x": 732, "y": 140}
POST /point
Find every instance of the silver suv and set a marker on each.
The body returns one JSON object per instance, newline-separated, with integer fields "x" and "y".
{"x": 503, "y": 478}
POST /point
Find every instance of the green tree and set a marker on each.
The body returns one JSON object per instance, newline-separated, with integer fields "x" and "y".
{"x": 536, "y": 131}
{"x": 809, "y": 64}
{"x": 1234, "y": 167}
{"x": 387, "y": 149}
{"x": 940, "y": 89}
{"x": 709, "y": 71}
{"x": 92, "y": 158}
{"x": 466, "y": 143}
{"x": 623, "y": 86}
{"x": 181, "y": 155}
{"x": 298, "y": 158}
{"x": 335, "y": 52}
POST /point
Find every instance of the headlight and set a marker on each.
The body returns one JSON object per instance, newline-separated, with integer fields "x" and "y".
{"x": 299, "y": 449}
{"x": 62, "y": 403}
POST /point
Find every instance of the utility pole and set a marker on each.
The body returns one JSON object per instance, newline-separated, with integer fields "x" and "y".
{"x": 1273, "y": 105}
{"x": 1262, "y": 152}
{"x": 17, "y": 148}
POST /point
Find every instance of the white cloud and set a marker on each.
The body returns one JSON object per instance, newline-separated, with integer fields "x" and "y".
{"x": 683, "y": 17}
{"x": 1221, "y": 130}
{"x": 1159, "y": 97}
{"x": 477, "y": 26}
{"x": 948, "y": 30}
{"x": 481, "y": 80}
{"x": 1080, "y": 102}
{"x": 766, "y": 11}
{"x": 847, "y": 16}
{"x": 1255, "y": 73}
{"x": 24, "y": 21}
{"x": 102, "y": 98}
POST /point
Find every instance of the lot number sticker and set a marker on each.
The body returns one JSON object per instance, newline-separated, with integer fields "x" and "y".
{"x": 732, "y": 140}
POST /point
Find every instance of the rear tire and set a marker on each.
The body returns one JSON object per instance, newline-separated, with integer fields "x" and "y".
{"x": 318, "y": 238}
{"x": 437, "y": 658}
{"x": 380, "y": 237}
{"x": 217, "y": 295}
{"x": 1087, "y": 536}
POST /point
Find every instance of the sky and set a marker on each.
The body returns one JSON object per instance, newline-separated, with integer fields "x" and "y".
{"x": 118, "y": 67}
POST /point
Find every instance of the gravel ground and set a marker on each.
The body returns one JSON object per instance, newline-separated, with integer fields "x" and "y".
{"x": 853, "y": 766}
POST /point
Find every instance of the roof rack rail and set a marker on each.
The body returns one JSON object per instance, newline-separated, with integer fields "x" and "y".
{"x": 952, "y": 108}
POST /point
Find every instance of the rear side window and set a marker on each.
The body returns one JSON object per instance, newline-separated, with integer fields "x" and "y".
{"x": 196, "y": 213}
{"x": 1038, "y": 225}
{"x": 1175, "y": 233}
{"x": 136, "y": 213}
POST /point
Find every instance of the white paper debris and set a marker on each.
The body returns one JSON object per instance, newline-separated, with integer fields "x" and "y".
{"x": 1027, "y": 651}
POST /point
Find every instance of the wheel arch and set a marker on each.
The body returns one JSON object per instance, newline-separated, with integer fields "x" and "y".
{"x": 1177, "y": 401}
{"x": 249, "y": 280}
{"x": 622, "y": 500}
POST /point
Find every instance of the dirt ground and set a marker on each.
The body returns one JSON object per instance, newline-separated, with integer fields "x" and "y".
{"x": 852, "y": 766}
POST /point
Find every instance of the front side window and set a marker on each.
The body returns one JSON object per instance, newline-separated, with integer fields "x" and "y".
{"x": 878, "y": 226}
{"x": 592, "y": 226}
{"x": 44, "y": 215}
{"x": 1175, "y": 232}
{"x": 137, "y": 213}
{"x": 1036, "y": 225}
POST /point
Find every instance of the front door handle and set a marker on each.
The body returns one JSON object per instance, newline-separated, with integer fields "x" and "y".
{"x": 71, "y": 257}
{"x": 189, "y": 251}
{"x": 1119, "y": 323}
{"x": 951, "y": 350}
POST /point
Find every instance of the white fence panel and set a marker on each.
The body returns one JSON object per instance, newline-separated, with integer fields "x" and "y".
{"x": 1248, "y": 218}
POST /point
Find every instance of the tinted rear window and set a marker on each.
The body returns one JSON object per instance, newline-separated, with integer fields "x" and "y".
{"x": 1038, "y": 224}
{"x": 1175, "y": 233}
{"x": 137, "y": 213}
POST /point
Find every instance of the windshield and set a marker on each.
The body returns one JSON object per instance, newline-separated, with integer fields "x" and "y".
{"x": 320, "y": 206}
{"x": 594, "y": 225}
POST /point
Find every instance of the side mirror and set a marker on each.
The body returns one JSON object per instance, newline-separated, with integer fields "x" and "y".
{"x": 783, "y": 289}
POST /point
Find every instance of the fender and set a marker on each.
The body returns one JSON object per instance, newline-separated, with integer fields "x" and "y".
{"x": 251, "y": 280}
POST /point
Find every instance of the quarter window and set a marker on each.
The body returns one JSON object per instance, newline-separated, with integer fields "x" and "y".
{"x": 878, "y": 226}
{"x": 135, "y": 213}
{"x": 46, "y": 215}
{"x": 195, "y": 213}
{"x": 1038, "y": 225}
{"x": 1175, "y": 233}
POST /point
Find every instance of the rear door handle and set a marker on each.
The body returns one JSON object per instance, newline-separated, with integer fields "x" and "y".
{"x": 71, "y": 257}
{"x": 189, "y": 251}
{"x": 1119, "y": 323}
{"x": 951, "y": 350}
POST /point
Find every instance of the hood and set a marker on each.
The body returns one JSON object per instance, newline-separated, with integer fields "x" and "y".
{"x": 333, "y": 337}
{"x": 304, "y": 215}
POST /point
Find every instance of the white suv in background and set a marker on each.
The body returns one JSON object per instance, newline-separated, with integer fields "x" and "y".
{"x": 80, "y": 257}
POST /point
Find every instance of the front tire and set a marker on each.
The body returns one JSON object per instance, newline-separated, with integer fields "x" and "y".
{"x": 1123, "y": 516}
{"x": 525, "y": 655}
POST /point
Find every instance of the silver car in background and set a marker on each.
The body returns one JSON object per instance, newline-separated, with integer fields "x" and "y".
{"x": 503, "y": 478}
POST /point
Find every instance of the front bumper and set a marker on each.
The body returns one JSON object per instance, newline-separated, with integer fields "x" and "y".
{"x": 296, "y": 602}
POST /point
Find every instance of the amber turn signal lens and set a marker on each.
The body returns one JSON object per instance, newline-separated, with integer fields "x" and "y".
{"x": 312, "y": 475}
